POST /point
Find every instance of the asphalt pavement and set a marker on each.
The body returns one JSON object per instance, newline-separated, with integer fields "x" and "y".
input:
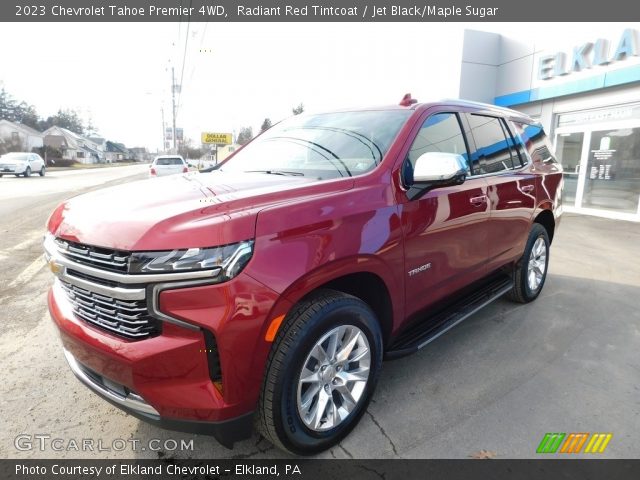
{"x": 493, "y": 386}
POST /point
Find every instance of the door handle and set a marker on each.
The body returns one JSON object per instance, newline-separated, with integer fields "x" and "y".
{"x": 477, "y": 201}
{"x": 527, "y": 188}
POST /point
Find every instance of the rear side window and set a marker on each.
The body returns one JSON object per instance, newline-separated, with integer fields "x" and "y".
{"x": 439, "y": 133}
{"x": 169, "y": 161}
{"x": 535, "y": 141}
{"x": 493, "y": 151}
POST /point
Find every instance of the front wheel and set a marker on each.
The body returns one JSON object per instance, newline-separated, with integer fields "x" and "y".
{"x": 531, "y": 270}
{"x": 321, "y": 373}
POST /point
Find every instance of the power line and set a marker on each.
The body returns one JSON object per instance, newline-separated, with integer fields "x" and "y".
{"x": 184, "y": 55}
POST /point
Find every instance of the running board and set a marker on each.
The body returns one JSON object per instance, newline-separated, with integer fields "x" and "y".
{"x": 427, "y": 330}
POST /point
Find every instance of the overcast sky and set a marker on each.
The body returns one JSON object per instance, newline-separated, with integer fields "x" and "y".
{"x": 235, "y": 74}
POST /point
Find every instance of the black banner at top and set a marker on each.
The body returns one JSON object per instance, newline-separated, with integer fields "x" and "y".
{"x": 316, "y": 11}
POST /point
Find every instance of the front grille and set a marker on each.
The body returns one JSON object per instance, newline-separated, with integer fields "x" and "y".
{"x": 129, "y": 319}
{"x": 98, "y": 257}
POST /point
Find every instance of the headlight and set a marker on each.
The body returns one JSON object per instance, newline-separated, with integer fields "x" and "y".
{"x": 229, "y": 260}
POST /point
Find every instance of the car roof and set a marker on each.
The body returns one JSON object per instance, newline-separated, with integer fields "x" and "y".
{"x": 421, "y": 106}
{"x": 169, "y": 156}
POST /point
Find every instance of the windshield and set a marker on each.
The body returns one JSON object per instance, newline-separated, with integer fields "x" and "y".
{"x": 20, "y": 157}
{"x": 322, "y": 146}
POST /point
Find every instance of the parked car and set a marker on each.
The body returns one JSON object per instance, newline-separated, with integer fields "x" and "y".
{"x": 167, "y": 165}
{"x": 21, "y": 163}
{"x": 268, "y": 291}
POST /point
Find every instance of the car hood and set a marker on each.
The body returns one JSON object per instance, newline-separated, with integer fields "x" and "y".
{"x": 181, "y": 211}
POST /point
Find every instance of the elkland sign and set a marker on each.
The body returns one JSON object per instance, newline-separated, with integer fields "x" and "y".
{"x": 588, "y": 55}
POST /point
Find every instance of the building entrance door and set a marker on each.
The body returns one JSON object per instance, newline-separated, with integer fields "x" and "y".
{"x": 601, "y": 163}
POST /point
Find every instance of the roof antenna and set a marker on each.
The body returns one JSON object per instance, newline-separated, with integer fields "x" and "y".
{"x": 407, "y": 101}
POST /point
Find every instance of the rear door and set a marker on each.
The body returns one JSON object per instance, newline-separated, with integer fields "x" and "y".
{"x": 445, "y": 230}
{"x": 511, "y": 186}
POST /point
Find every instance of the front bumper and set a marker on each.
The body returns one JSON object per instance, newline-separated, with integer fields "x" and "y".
{"x": 12, "y": 169}
{"x": 167, "y": 378}
{"x": 226, "y": 432}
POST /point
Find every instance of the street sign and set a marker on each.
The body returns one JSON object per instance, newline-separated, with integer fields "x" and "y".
{"x": 217, "y": 138}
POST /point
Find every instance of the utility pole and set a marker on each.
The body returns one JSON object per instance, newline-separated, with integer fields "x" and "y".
{"x": 173, "y": 102}
{"x": 164, "y": 137}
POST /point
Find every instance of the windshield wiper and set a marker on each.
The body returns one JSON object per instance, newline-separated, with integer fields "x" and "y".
{"x": 277, "y": 172}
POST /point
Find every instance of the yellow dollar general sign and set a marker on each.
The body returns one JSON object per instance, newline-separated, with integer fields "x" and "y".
{"x": 573, "y": 443}
{"x": 217, "y": 138}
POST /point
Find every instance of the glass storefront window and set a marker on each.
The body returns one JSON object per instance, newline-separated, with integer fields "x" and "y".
{"x": 568, "y": 152}
{"x": 612, "y": 179}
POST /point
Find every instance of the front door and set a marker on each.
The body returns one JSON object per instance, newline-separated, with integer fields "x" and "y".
{"x": 445, "y": 230}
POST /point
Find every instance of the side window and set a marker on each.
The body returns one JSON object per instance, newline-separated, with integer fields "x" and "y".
{"x": 493, "y": 152}
{"x": 519, "y": 144}
{"x": 517, "y": 154}
{"x": 535, "y": 141}
{"x": 440, "y": 132}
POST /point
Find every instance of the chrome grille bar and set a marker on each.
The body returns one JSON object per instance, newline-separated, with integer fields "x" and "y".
{"x": 127, "y": 319}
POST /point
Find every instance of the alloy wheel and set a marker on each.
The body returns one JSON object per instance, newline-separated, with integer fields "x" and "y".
{"x": 537, "y": 264}
{"x": 333, "y": 378}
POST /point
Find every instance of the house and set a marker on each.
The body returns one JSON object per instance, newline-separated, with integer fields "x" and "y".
{"x": 73, "y": 146}
{"x": 20, "y": 136}
{"x": 140, "y": 154}
{"x": 116, "y": 152}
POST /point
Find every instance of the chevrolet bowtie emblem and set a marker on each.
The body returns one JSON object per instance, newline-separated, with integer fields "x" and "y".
{"x": 55, "y": 267}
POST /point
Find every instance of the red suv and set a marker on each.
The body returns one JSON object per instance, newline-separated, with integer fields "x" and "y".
{"x": 268, "y": 291}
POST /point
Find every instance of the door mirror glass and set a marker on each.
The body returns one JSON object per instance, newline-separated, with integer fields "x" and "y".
{"x": 440, "y": 169}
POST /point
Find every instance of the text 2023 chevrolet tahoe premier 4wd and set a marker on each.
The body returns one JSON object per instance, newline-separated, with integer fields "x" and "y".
{"x": 268, "y": 291}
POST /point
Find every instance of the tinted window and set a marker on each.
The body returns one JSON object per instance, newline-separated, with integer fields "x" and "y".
{"x": 535, "y": 141}
{"x": 439, "y": 133}
{"x": 169, "y": 161}
{"x": 325, "y": 146}
{"x": 493, "y": 153}
{"x": 516, "y": 146}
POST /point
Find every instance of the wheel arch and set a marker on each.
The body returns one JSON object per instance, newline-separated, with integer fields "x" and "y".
{"x": 548, "y": 221}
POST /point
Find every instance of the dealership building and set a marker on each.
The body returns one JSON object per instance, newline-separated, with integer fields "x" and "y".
{"x": 586, "y": 93}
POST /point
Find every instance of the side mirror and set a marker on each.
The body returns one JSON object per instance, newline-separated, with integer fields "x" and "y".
{"x": 441, "y": 168}
{"x": 437, "y": 169}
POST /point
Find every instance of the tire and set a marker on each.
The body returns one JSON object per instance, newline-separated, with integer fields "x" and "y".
{"x": 286, "y": 406}
{"x": 527, "y": 288}
{"x": 27, "y": 172}
{"x": 0, "y": 175}
{"x": 42, "y": 171}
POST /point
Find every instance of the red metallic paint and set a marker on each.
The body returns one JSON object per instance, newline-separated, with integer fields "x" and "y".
{"x": 306, "y": 234}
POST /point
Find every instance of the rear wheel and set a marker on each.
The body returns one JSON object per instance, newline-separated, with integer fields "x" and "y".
{"x": 42, "y": 171}
{"x": 321, "y": 373}
{"x": 531, "y": 271}
{"x": 27, "y": 172}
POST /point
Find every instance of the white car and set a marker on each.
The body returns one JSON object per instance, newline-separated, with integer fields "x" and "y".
{"x": 167, "y": 165}
{"x": 21, "y": 163}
